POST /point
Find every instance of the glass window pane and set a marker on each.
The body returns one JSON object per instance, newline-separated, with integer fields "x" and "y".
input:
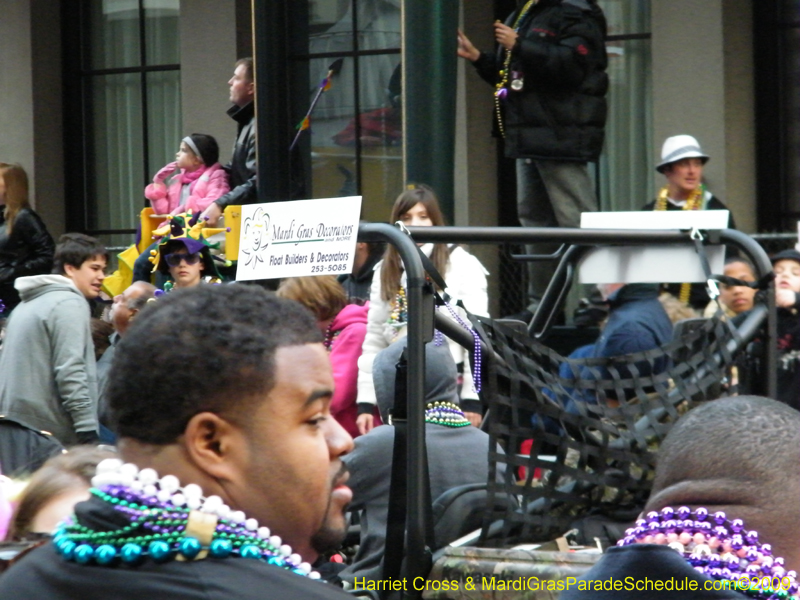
{"x": 162, "y": 38}
{"x": 330, "y": 26}
{"x": 791, "y": 110}
{"x": 626, "y": 16}
{"x": 113, "y": 34}
{"x": 790, "y": 11}
{"x": 164, "y": 126}
{"x": 381, "y": 134}
{"x": 116, "y": 153}
{"x": 626, "y": 163}
{"x": 331, "y": 137}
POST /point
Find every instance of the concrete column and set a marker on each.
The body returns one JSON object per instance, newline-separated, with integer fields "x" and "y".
{"x": 476, "y": 150}
{"x": 689, "y": 80}
{"x": 703, "y": 86}
{"x": 208, "y": 54}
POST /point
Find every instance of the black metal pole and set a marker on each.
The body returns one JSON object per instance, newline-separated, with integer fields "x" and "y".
{"x": 429, "y": 95}
{"x": 523, "y": 235}
{"x": 417, "y": 557}
{"x": 273, "y": 115}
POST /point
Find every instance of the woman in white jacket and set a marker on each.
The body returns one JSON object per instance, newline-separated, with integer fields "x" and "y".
{"x": 386, "y": 321}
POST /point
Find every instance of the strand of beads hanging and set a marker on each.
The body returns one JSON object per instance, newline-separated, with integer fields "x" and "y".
{"x": 330, "y": 337}
{"x": 720, "y": 548}
{"x": 501, "y": 89}
{"x": 476, "y": 354}
{"x": 160, "y": 513}
{"x": 694, "y": 202}
{"x": 398, "y": 317}
{"x": 446, "y": 414}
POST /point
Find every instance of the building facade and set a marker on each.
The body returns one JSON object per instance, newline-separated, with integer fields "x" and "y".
{"x": 98, "y": 94}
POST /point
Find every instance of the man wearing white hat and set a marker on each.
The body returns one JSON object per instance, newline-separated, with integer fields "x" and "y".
{"x": 682, "y": 162}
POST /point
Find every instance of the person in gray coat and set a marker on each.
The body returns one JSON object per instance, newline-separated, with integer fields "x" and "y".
{"x": 48, "y": 374}
{"x": 458, "y": 453}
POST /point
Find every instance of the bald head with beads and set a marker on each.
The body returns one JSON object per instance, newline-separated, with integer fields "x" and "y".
{"x": 741, "y": 456}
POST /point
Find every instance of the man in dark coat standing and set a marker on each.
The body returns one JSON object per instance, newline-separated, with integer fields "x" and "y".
{"x": 550, "y": 80}
{"x": 242, "y": 168}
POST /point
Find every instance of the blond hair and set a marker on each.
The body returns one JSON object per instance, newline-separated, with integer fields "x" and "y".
{"x": 322, "y": 295}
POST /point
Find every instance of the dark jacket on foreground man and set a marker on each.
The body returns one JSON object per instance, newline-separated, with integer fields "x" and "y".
{"x": 45, "y": 574}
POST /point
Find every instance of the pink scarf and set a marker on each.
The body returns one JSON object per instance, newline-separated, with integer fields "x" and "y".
{"x": 191, "y": 177}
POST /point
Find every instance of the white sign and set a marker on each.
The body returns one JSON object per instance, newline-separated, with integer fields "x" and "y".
{"x": 298, "y": 238}
{"x": 654, "y": 263}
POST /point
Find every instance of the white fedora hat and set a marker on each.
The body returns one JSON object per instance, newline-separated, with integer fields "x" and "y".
{"x": 679, "y": 147}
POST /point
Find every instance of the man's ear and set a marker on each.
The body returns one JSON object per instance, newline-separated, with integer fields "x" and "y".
{"x": 214, "y": 445}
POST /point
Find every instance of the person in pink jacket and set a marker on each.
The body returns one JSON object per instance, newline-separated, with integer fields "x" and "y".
{"x": 344, "y": 327}
{"x": 190, "y": 183}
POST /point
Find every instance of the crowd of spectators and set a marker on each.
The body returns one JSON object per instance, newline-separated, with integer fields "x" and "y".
{"x": 247, "y": 402}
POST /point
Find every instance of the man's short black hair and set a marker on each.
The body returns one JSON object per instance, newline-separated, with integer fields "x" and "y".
{"x": 74, "y": 249}
{"x": 750, "y": 437}
{"x": 207, "y": 348}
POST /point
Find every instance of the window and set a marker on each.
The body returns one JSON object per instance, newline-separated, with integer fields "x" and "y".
{"x": 345, "y": 155}
{"x": 625, "y": 167}
{"x": 122, "y": 74}
{"x": 777, "y": 73}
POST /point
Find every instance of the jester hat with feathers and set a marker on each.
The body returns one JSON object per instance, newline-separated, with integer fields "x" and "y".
{"x": 185, "y": 230}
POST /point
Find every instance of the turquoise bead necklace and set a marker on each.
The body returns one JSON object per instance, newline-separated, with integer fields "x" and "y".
{"x": 166, "y": 522}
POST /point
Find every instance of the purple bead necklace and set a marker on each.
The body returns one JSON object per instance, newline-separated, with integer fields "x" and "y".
{"x": 719, "y": 548}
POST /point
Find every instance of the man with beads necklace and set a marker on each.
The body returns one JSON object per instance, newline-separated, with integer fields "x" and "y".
{"x": 682, "y": 162}
{"x": 227, "y": 490}
{"x": 722, "y": 520}
{"x": 550, "y": 84}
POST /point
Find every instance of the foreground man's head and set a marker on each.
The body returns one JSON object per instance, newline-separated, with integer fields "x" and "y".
{"x": 229, "y": 387}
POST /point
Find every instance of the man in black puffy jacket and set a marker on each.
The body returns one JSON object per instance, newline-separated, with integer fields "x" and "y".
{"x": 242, "y": 168}
{"x": 550, "y": 80}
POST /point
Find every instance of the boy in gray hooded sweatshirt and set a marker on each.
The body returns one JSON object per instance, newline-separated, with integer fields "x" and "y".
{"x": 458, "y": 453}
{"x": 48, "y": 377}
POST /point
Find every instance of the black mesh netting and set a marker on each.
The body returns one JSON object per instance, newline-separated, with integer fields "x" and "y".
{"x": 592, "y": 426}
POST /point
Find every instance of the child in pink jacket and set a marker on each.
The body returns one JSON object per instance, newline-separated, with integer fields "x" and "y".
{"x": 192, "y": 182}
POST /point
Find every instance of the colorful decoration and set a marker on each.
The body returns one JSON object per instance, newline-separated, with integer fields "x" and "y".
{"x": 168, "y": 521}
{"x": 193, "y": 233}
{"x": 446, "y": 414}
{"x": 398, "y": 317}
{"x": 718, "y": 547}
{"x": 517, "y": 83}
{"x": 694, "y": 202}
{"x": 324, "y": 86}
